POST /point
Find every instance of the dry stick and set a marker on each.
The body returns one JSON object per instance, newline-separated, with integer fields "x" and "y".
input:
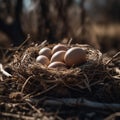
{"x": 28, "y": 37}
{"x": 81, "y": 102}
{"x": 23, "y": 58}
{"x": 34, "y": 108}
{"x": 112, "y": 116}
{"x": 68, "y": 86}
{"x": 86, "y": 81}
{"x": 25, "y": 83}
{"x": 117, "y": 77}
{"x": 43, "y": 43}
{"x": 111, "y": 77}
{"x": 17, "y": 48}
{"x": 48, "y": 89}
{"x": 4, "y": 72}
{"x": 118, "y": 53}
{"x": 69, "y": 42}
{"x": 17, "y": 116}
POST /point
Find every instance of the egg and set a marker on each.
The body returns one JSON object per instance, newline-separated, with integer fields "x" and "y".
{"x": 57, "y": 64}
{"x": 59, "y": 47}
{"x": 75, "y": 56}
{"x": 43, "y": 60}
{"x": 58, "y": 56}
{"x": 46, "y": 52}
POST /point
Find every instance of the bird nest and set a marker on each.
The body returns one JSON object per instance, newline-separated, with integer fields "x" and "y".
{"x": 37, "y": 80}
{"x": 93, "y": 84}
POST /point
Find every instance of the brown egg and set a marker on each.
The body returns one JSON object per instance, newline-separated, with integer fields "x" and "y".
{"x": 46, "y": 52}
{"x": 57, "y": 64}
{"x": 59, "y": 47}
{"x": 75, "y": 56}
{"x": 43, "y": 60}
{"x": 58, "y": 56}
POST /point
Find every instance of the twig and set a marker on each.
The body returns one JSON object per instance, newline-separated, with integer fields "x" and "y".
{"x": 86, "y": 81}
{"x": 70, "y": 41}
{"x": 112, "y": 116}
{"x": 4, "y": 72}
{"x": 118, "y": 53}
{"x": 34, "y": 108}
{"x": 117, "y": 77}
{"x": 17, "y": 116}
{"x": 15, "y": 48}
{"x": 28, "y": 37}
{"x": 48, "y": 89}
{"x": 81, "y": 102}
{"x": 43, "y": 44}
{"x": 25, "y": 83}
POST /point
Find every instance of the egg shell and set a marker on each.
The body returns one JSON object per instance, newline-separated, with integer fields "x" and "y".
{"x": 43, "y": 60}
{"x": 57, "y": 64}
{"x": 59, "y": 47}
{"x": 46, "y": 52}
{"x": 58, "y": 56}
{"x": 75, "y": 56}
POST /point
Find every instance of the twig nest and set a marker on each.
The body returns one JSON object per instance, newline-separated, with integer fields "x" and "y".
{"x": 59, "y": 47}
{"x": 75, "y": 56}
{"x": 57, "y": 64}
{"x": 43, "y": 60}
{"x": 46, "y": 52}
{"x": 58, "y": 56}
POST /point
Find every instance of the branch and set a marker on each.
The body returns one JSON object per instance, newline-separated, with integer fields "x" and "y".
{"x": 81, "y": 102}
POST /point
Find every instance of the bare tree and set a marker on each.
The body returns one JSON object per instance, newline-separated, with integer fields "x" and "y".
{"x": 13, "y": 28}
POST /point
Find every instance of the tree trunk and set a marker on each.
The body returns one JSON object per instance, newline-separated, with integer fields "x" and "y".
{"x": 14, "y": 30}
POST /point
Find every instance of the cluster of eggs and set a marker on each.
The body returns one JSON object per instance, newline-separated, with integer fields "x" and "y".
{"x": 61, "y": 56}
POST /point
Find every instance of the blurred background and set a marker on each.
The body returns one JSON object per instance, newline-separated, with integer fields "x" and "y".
{"x": 94, "y": 22}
